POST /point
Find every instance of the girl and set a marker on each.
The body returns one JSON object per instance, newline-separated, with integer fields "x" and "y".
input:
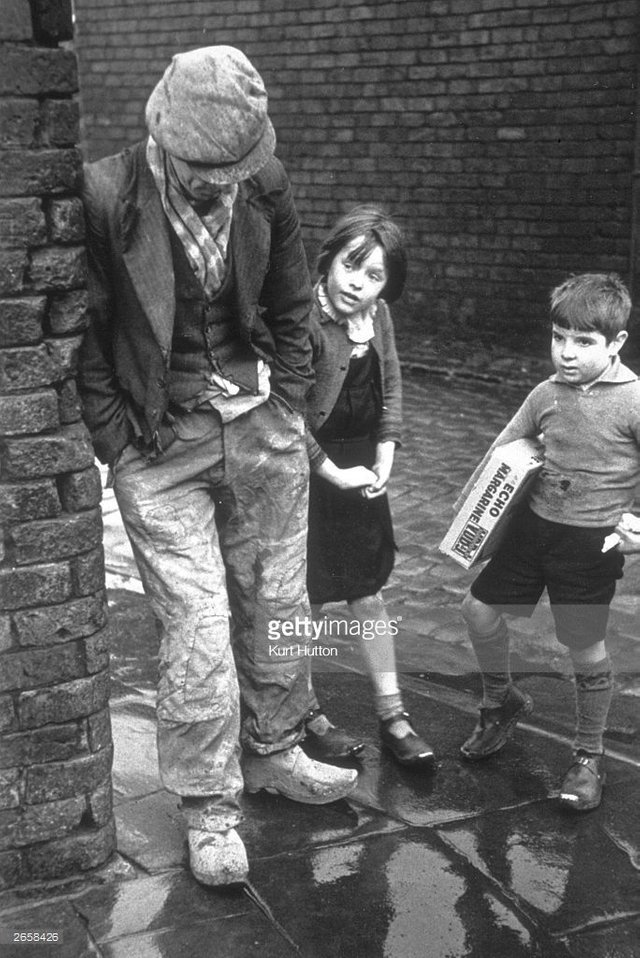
{"x": 354, "y": 418}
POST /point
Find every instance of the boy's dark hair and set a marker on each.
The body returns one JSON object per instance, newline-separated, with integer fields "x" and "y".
{"x": 592, "y": 302}
{"x": 378, "y": 230}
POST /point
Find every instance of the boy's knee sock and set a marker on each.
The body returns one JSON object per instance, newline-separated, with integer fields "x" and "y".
{"x": 594, "y": 690}
{"x": 492, "y": 653}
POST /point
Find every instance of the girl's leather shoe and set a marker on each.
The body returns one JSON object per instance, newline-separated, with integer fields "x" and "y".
{"x": 408, "y": 749}
{"x": 335, "y": 743}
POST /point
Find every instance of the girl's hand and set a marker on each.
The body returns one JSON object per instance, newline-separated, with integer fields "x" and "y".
{"x": 382, "y": 467}
{"x": 355, "y": 477}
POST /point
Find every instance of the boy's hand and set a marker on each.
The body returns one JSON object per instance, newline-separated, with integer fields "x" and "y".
{"x": 628, "y": 532}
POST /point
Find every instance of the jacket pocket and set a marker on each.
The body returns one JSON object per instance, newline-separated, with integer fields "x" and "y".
{"x": 284, "y": 402}
{"x": 124, "y": 456}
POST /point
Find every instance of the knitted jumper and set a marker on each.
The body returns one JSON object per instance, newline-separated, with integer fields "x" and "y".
{"x": 591, "y": 437}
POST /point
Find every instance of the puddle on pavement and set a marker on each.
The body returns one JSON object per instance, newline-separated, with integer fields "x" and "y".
{"x": 396, "y": 895}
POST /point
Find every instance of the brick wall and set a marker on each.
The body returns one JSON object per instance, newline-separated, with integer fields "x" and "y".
{"x": 500, "y": 132}
{"x": 55, "y": 737}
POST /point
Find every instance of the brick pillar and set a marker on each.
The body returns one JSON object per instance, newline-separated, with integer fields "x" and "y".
{"x": 55, "y": 737}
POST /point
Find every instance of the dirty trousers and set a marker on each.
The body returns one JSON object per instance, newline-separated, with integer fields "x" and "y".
{"x": 218, "y": 527}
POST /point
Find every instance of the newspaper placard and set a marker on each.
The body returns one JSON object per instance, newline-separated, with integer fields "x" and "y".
{"x": 482, "y": 518}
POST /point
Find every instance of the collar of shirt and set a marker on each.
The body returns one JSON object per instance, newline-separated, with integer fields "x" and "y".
{"x": 616, "y": 372}
{"x": 359, "y": 326}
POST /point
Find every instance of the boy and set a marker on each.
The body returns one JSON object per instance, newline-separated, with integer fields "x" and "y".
{"x": 588, "y": 413}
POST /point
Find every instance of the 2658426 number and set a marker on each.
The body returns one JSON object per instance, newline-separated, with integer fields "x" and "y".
{"x": 44, "y": 937}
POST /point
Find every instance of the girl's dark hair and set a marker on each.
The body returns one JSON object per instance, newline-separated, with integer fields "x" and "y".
{"x": 592, "y": 302}
{"x": 378, "y": 230}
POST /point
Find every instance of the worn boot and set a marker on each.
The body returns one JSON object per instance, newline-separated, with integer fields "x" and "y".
{"x": 325, "y": 742}
{"x": 496, "y": 725}
{"x": 296, "y": 776}
{"x": 217, "y": 858}
{"x": 581, "y": 789}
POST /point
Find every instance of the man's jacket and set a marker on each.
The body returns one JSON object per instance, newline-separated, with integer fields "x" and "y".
{"x": 126, "y": 353}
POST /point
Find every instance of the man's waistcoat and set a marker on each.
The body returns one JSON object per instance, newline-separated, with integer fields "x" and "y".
{"x": 205, "y": 336}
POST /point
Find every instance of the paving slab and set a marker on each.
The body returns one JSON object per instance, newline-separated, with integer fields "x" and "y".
{"x": 135, "y": 767}
{"x": 402, "y": 894}
{"x": 246, "y": 935}
{"x": 151, "y": 832}
{"x": 276, "y": 827}
{"x": 456, "y": 789}
{"x": 565, "y": 871}
{"x": 155, "y": 903}
{"x": 57, "y": 928}
{"x": 171, "y": 916}
{"x": 616, "y": 940}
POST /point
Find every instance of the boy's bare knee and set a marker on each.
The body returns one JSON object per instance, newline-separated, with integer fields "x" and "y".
{"x": 478, "y": 615}
{"x": 592, "y": 655}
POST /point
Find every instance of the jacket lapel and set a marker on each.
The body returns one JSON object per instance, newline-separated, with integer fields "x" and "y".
{"x": 250, "y": 243}
{"x": 149, "y": 263}
{"x": 331, "y": 365}
{"x": 148, "y": 260}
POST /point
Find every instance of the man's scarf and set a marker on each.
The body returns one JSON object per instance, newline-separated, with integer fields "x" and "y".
{"x": 205, "y": 240}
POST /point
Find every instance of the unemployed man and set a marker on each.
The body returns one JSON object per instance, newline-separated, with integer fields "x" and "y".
{"x": 193, "y": 375}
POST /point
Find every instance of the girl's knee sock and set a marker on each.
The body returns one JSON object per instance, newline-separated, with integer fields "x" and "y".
{"x": 594, "y": 691}
{"x": 492, "y": 653}
{"x": 388, "y": 705}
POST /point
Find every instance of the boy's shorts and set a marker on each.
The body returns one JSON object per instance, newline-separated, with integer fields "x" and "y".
{"x": 566, "y": 560}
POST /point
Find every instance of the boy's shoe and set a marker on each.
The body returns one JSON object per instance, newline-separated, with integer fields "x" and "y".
{"x": 331, "y": 744}
{"x": 217, "y": 858}
{"x": 582, "y": 787}
{"x": 296, "y": 776}
{"x": 409, "y": 749}
{"x": 495, "y": 725}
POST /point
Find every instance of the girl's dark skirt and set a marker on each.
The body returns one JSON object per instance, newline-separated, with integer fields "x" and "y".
{"x": 351, "y": 549}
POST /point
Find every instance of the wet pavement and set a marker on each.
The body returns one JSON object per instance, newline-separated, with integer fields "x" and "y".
{"x": 470, "y": 861}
